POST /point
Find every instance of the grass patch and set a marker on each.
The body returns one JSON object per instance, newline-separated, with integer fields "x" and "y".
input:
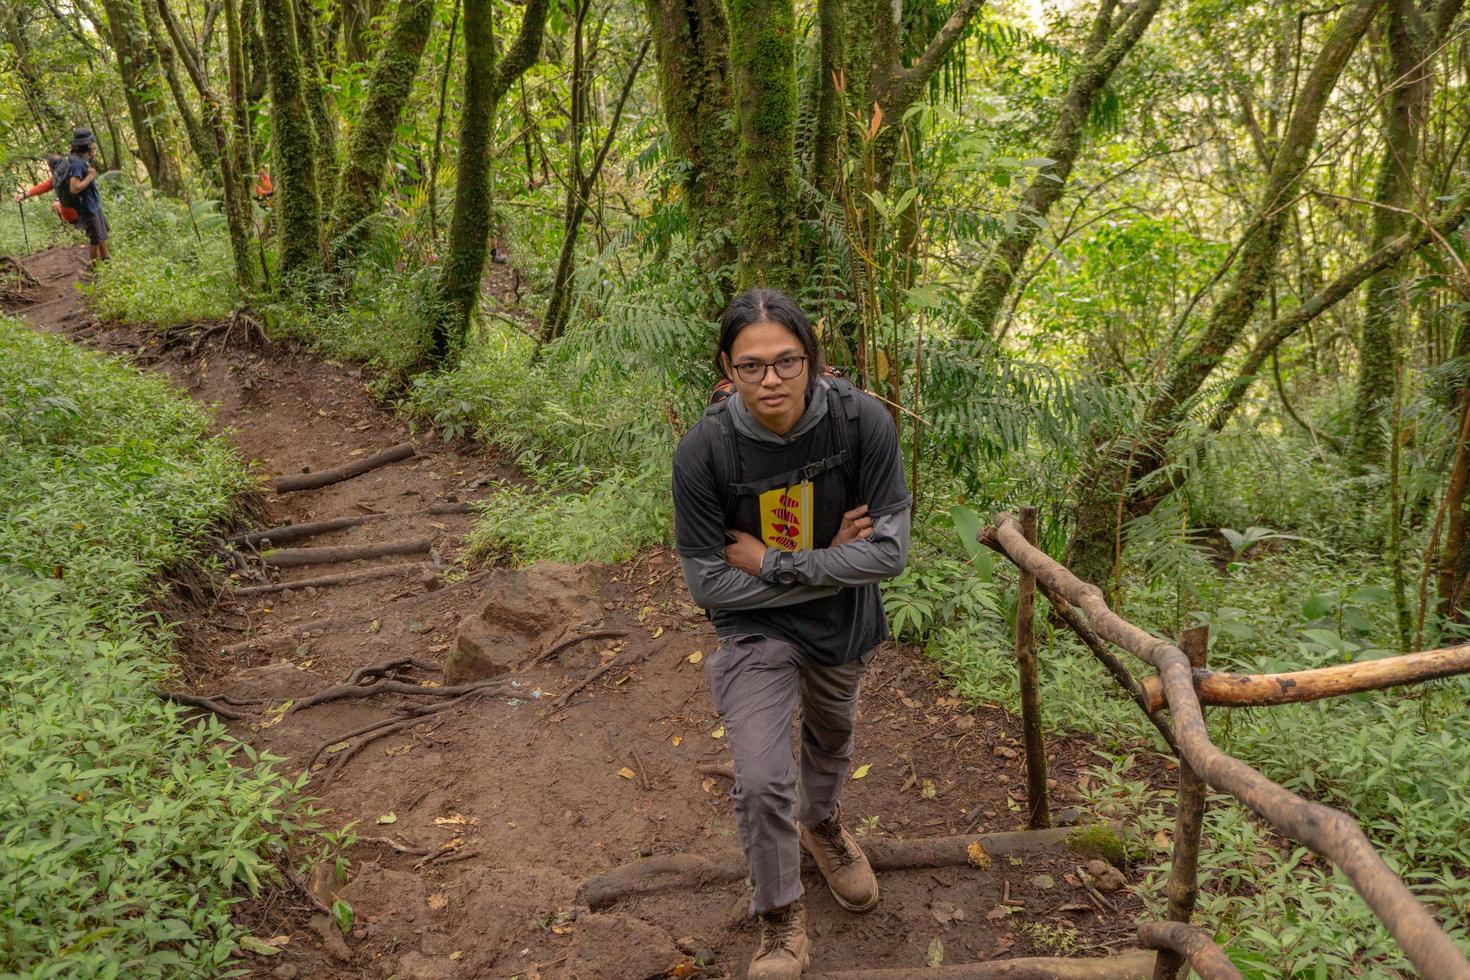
{"x": 124, "y": 833}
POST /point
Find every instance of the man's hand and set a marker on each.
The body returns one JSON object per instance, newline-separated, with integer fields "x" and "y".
{"x": 745, "y": 552}
{"x": 856, "y": 526}
{"x": 20, "y": 196}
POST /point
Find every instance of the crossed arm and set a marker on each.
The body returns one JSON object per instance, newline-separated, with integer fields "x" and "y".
{"x": 865, "y": 550}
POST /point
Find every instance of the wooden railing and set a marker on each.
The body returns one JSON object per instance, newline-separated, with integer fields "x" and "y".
{"x": 1182, "y": 684}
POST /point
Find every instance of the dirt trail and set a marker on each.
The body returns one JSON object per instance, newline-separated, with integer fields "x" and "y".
{"x": 478, "y": 827}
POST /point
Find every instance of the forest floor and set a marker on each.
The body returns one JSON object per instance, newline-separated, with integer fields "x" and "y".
{"x": 477, "y": 828}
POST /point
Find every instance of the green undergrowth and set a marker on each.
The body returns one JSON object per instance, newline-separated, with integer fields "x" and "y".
{"x": 170, "y": 262}
{"x": 126, "y": 831}
{"x": 1394, "y": 759}
{"x": 34, "y": 229}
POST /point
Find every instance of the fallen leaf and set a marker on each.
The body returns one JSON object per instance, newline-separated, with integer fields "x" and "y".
{"x": 997, "y": 914}
{"x": 978, "y": 856}
{"x": 935, "y": 956}
{"x": 253, "y": 944}
{"x": 1161, "y": 841}
{"x": 707, "y": 784}
{"x": 927, "y": 789}
{"x": 964, "y": 723}
{"x": 695, "y": 657}
{"x": 861, "y": 770}
{"x": 389, "y": 817}
{"x": 279, "y": 941}
{"x": 1074, "y": 907}
{"x": 458, "y": 820}
{"x": 677, "y": 740}
{"x": 658, "y": 632}
{"x": 439, "y": 901}
{"x": 909, "y": 703}
{"x": 456, "y": 954}
{"x": 398, "y": 750}
{"x": 627, "y": 773}
{"x": 718, "y": 732}
{"x": 375, "y": 625}
{"x": 336, "y": 746}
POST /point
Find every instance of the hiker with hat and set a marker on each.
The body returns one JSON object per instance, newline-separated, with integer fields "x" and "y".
{"x": 77, "y": 188}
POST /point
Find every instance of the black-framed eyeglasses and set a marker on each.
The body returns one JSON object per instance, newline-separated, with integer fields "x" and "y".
{"x": 754, "y": 372}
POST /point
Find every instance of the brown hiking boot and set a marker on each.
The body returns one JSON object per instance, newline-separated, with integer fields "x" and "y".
{"x": 842, "y": 862}
{"x": 785, "y": 951}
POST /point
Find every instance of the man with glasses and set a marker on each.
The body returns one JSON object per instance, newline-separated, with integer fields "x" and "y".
{"x": 790, "y": 507}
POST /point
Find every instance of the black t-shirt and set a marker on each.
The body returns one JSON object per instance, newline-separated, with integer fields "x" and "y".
{"x": 830, "y": 630}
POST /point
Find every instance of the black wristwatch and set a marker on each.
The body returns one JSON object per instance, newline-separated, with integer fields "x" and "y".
{"x": 785, "y": 571}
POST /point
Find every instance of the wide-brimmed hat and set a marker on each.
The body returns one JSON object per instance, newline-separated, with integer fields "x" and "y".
{"x": 81, "y": 138}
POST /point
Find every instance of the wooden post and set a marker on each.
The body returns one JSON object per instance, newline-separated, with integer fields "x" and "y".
{"x": 1189, "y": 816}
{"x": 1038, "y": 813}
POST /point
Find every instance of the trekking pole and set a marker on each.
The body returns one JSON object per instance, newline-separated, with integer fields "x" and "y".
{"x": 23, "y": 229}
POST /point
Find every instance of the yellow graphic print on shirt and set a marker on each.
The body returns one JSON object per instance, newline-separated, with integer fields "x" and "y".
{"x": 786, "y": 517}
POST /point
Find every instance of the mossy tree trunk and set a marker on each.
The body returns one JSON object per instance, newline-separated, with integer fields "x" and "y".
{"x": 691, "y": 42}
{"x": 1411, "y": 34}
{"x": 298, "y": 201}
{"x": 485, "y": 83}
{"x": 200, "y": 140}
{"x": 143, "y": 87}
{"x": 234, "y": 170}
{"x": 318, "y": 99}
{"x": 763, "y": 90}
{"x": 1115, "y": 485}
{"x": 1114, "y": 34}
{"x": 361, "y": 187}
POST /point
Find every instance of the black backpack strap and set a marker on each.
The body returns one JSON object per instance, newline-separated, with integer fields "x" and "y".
{"x": 842, "y": 403}
{"x": 726, "y": 454}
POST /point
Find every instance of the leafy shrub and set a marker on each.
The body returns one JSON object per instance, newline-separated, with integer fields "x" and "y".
{"x": 124, "y": 831}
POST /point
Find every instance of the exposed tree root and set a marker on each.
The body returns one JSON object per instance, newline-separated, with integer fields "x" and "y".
{"x": 194, "y": 701}
{"x": 330, "y": 581}
{"x": 565, "y": 641}
{"x": 394, "y": 727}
{"x": 1131, "y": 965}
{"x": 325, "y": 478}
{"x": 667, "y": 871}
{"x": 387, "y": 667}
{"x": 296, "y": 557}
{"x": 596, "y": 674}
{"x": 295, "y": 532}
{"x": 344, "y": 691}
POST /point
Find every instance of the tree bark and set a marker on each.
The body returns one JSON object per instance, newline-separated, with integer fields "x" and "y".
{"x": 142, "y": 87}
{"x": 763, "y": 90}
{"x": 318, "y": 100}
{"x": 200, "y": 140}
{"x": 1092, "y": 550}
{"x": 233, "y": 169}
{"x": 388, "y": 89}
{"x": 691, "y": 40}
{"x": 1403, "y": 119}
{"x": 298, "y": 199}
{"x": 1107, "y": 46}
{"x": 579, "y": 192}
{"x": 469, "y": 228}
{"x": 50, "y": 120}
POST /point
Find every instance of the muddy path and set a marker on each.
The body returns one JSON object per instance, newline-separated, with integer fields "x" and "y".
{"x": 478, "y": 825}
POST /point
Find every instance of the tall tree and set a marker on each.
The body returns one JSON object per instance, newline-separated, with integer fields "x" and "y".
{"x": 1412, "y": 32}
{"x": 293, "y": 143}
{"x": 318, "y": 98}
{"x": 200, "y": 140}
{"x": 485, "y": 82}
{"x": 143, "y": 89}
{"x": 1110, "y": 488}
{"x": 50, "y": 120}
{"x": 691, "y": 41}
{"x": 228, "y": 147}
{"x": 388, "y": 89}
{"x": 1114, "y": 33}
{"x": 763, "y": 89}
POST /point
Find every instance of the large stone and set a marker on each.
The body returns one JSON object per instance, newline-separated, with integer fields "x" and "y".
{"x": 619, "y": 946}
{"x": 273, "y": 682}
{"x": 524, "y": 609}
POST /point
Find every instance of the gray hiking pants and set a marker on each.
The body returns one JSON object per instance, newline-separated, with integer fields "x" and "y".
{"x": 757, "y": 683}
